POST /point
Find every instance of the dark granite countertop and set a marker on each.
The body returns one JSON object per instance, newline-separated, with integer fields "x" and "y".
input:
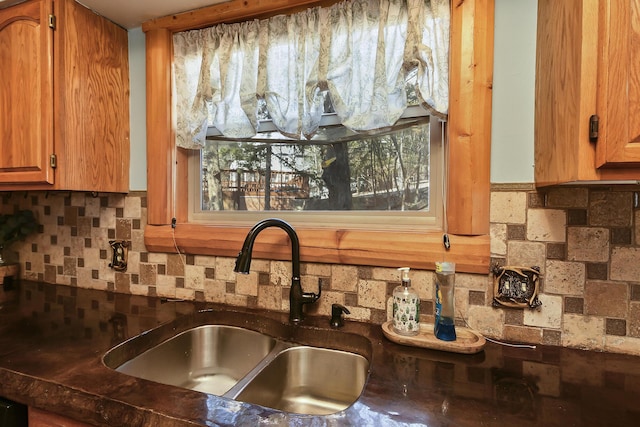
{"x": 53, "y": 339}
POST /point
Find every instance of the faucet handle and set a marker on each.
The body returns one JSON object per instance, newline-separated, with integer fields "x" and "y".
{"x": 336, "y": 315}
{"x": 310, "y": 296}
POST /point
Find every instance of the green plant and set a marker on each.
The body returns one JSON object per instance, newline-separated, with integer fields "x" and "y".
{"x": 16, "y": 226}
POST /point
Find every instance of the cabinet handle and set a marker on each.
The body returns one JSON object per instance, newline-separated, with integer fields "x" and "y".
{"x": 594, "y": 122}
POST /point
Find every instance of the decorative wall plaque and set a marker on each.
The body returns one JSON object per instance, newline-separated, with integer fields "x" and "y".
{"x": 516, "y": 287}
{"x": 120, "y": 253}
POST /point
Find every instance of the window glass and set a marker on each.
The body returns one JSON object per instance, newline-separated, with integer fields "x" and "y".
{"x": 392, "y": 179}
{"x": 389, "y": 172}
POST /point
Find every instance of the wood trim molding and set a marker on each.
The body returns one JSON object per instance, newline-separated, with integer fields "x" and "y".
{"x": 160, "y": 138}
{"x": 470, "y": 92}
{"x": 419, "y": 250}
{"x": 230, "y": 11}
{"x": 471, "y": 74}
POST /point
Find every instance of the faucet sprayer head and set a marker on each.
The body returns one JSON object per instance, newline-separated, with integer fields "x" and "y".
{"x": 243, "y": 262}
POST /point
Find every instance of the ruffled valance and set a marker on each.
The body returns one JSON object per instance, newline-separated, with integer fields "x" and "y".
{"x": 357, "y": 51}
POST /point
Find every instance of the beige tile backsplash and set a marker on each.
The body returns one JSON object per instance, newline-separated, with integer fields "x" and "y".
{"x": 586, "y": 242}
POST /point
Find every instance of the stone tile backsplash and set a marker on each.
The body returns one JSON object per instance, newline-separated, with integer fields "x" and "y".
{"x": 586, "y": 242}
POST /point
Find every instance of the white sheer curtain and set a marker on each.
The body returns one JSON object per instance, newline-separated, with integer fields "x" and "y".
{"x": 357, "y": 50}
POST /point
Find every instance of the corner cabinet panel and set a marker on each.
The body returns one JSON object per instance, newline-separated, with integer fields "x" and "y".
{"x": 64, "y": 99}
{"x": 26, "y": 93}
{"x": 619, "y": 76}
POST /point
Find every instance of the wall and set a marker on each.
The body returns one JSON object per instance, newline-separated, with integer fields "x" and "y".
{"x": 513, "y": 91}
{"x": 586, "y": 241}
{"x": 138, "y": 111}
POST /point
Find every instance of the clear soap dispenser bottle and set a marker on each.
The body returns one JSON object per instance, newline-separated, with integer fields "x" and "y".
{"x": 406, "y": 306}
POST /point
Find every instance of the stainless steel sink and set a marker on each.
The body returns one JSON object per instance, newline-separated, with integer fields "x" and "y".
{"x": 210, "y": 358}
{"x": 238, "y": 363}
{"x": 308, "y": 380}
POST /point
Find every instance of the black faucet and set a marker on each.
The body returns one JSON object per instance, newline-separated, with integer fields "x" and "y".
{"x": 297, "y": 298}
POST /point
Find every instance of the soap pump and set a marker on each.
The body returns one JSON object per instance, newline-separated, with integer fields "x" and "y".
{"x": 406, "y": 306}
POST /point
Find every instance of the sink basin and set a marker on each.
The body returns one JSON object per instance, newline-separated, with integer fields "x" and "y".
{"x": 308, "y": 380}
{"x": 209, "y": 358}
{"x": 236, "y": 357}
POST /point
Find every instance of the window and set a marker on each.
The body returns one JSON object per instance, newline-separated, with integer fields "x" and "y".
{"x": 328, "y": 98}
{"x": 369, "y": 179}
{"x": 467, "y": 211}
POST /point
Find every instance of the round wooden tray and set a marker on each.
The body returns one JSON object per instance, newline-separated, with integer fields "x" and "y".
{"x": 467, "y": 341}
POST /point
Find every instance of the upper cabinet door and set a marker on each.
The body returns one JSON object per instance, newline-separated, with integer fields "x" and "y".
{"x": 26, "y": 93}
{"x": 587, "y": 64}
{"x": 619, "y": 84}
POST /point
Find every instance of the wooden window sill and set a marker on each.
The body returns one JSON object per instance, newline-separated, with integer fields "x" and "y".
{"x": 419, "y": 250}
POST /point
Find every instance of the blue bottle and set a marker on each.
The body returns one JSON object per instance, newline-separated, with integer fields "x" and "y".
{"x": 444, "y": 326}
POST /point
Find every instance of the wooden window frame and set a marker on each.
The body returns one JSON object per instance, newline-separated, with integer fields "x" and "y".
{"x": 469, "y": 146}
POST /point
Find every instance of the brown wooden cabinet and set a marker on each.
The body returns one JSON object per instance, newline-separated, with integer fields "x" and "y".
{"x": 587, "y": 64}
{"x": 619, "y": 83}
{"x": 64, "y": 99}
{"x": 39, "y": 418}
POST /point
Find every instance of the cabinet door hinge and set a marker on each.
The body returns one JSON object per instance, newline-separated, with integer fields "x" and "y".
{"x": 52, "y": 21}
{"x": 53, "y": 161}
{"x": 594, "y": 122}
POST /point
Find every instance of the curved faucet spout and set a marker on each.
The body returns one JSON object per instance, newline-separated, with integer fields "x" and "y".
{"x": 243, "y": 262}
{"x": 297, "y": 298}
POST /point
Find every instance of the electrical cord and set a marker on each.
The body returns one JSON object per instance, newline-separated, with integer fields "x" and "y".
{"x": 527, "y": 346}
{"x": 175, "y": 244}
